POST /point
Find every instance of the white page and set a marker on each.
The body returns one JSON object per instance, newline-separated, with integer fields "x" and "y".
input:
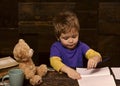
{"x": 95, "y": 77}
{"x": 106, "y": 80}
{"x": 116, "y": 72}
{"x": 93, "y": 72}
{"x": 6, "y": 62}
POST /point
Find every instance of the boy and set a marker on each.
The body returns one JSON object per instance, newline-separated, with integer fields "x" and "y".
{"x": 68, "y": 52}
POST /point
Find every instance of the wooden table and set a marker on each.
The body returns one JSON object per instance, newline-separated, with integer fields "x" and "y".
{"x": 54, "y": 78}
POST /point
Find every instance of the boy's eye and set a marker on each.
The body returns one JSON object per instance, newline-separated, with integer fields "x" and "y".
{"x": 74, "y": 36}
{"x": 65, "y": 38}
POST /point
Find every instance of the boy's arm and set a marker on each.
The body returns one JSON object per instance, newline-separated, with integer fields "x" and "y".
{"x": 93, "y": 58}
{"x": 57, "y": 64}
{"x": 92, "y": 53}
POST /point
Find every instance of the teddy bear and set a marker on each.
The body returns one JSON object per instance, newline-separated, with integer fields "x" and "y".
{"x": 23, "y": 55}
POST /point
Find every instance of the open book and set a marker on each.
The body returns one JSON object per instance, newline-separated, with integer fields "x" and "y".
{"x": 95, "y": 77}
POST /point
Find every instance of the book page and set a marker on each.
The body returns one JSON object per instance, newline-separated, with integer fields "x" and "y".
{"x": 93, "y": 72}
{"x": 95, "y": 77}
{"x": 6, "y": 62}
{"x": 116, "y": 72}
{"x": 106, "y": 80}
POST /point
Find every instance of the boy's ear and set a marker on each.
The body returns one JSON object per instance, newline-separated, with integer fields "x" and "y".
{"x": 57, "y": 38}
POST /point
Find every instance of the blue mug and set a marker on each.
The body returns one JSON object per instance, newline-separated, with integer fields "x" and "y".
{"x": 15, "y": 76}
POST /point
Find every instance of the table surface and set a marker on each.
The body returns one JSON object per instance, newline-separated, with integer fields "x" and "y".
{"x": 54, "y": 78}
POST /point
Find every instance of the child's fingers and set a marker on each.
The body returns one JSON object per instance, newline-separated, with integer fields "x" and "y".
{"x": 91, "y": 64}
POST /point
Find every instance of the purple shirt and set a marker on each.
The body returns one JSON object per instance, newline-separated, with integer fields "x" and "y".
{"x": 72, "y": 58}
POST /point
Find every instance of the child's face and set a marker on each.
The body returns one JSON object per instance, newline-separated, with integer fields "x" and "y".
{"x": 70, "y": 39}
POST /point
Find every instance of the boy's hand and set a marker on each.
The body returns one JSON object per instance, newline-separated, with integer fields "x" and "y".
{"x": 92, "y": 62}
{"x": 73, "y": 74}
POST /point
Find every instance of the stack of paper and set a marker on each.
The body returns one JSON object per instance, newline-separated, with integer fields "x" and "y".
{"x": 95, "y": 77}
{"x": 6, "y": 62}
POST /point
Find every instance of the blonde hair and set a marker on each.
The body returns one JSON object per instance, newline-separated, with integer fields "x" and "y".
{"x": 64, "y": 22}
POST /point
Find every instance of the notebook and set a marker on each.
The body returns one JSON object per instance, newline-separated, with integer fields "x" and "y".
{"x": 95, "y": 77}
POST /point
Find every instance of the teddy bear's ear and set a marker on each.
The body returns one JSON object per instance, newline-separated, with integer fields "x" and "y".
{"x": 21, "y": 40}
{"x": 23, "y": 44}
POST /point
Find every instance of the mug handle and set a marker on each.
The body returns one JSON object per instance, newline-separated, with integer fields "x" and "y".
{"x": 4, "y": 77}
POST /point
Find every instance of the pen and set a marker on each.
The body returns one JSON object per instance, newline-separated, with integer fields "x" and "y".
{"x": 104, "y": 60}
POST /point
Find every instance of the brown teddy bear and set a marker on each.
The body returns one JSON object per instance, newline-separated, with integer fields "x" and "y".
{"x": 23, "y": 55}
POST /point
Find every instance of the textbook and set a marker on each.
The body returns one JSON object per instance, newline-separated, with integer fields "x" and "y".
{"x": 7, "y": 62}
{"x": 95, "y": 77}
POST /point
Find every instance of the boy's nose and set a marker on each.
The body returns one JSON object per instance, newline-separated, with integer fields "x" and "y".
{"x": 70, "y": 40}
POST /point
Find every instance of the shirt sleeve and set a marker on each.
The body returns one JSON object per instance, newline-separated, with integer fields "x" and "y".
{"x": 55, "y": 51}
{"x": 91, "y": 53}
{"x": 56, "y": 63}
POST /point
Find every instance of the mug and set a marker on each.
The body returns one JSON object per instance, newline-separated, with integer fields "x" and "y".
{"x": 15, "y": 76}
